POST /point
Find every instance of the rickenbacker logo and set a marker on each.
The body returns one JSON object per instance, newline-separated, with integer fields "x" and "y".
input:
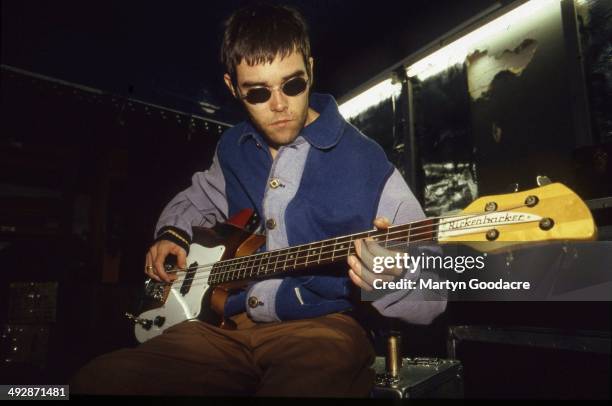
{"x": 469, "y": 224}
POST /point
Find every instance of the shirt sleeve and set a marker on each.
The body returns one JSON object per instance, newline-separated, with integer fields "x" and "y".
{"x": 204, "y": 203}
{"x": 398, "y": 204}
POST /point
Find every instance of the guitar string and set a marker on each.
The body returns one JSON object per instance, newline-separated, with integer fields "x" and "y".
{"x": 276, "y": 254}
{"x": 203, "y": 280}
{"x": 204, "y": 276}
{"x": 205, "y": 273}
{"x": 250, "y": 267}
{"x": 332, "y": 241}
{"x": 299, "y": 248}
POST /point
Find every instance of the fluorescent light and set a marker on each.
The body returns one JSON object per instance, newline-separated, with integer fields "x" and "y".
{"x": 456, "y": 52}
{"x": 370, "y": 98}
{"x": 440, "y": 60}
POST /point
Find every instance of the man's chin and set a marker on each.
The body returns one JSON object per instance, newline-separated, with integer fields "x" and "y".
{"x": 279, "y": 138}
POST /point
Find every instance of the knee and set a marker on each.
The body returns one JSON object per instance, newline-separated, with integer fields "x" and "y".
{"x": 345, "y": 360}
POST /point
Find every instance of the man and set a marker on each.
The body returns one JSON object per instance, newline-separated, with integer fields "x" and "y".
{"x": 311, "y": 176}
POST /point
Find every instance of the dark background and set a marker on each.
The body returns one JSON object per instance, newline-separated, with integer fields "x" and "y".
{"x": 85, "y": 175}
{"x": 169, "y": 53}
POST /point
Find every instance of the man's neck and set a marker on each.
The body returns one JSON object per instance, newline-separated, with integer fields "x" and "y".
{"x": 310, "y": 117}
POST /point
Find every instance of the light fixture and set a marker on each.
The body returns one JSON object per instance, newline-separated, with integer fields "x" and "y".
{"x": 445, "y": 57}
{"x": 456, "y": 52}
{"x": 369, "y": 98}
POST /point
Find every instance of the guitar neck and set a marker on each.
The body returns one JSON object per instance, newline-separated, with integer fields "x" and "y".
{"x": 323, "y": 252}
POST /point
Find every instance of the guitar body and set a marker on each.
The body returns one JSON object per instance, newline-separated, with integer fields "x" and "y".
{"x": 190, "y": 297}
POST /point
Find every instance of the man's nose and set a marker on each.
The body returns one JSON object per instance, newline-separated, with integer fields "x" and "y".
{"x": 278, "y": 101}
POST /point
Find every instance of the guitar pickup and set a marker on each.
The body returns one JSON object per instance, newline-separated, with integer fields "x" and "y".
{"x": 190, "y": 274}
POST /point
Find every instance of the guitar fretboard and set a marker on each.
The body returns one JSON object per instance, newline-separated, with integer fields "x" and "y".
{"x": 324, "y": 252}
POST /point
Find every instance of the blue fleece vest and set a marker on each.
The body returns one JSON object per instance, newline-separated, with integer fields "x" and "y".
{"x": 344, "y": 175}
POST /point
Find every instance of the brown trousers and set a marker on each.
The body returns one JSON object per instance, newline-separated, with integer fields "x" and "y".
{"x": 324, "y": 356}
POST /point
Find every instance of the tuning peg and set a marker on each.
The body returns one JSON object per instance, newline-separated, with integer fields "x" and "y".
{"x": 543, "y": 180}
{"x": 512, "y": 188}
{"x": 145, "y": 323}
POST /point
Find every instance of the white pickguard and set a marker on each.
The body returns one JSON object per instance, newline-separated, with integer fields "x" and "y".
{"x": 179, "y": 307}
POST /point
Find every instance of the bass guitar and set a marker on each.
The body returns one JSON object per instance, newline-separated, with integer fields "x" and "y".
{"x": 223, "y": 259}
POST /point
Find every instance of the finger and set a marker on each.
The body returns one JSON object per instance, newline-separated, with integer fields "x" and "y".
{"x": 358, "y": 281}
{"x": 382, "y": 223}
{"x": 153, "y": 250}
{"x": 148, "y": 261}
{"x": 364, "y": 274}
{"x": 364, "y": 254}
{"x": 374, "y": 249}
{"x": 150, "y": 271}
{"x": 158, "y": 263}
{"x": 181, "y": 260}
{"x": 181, "y": 257}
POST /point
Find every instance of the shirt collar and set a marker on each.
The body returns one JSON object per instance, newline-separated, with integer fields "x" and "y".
{"x": 323, "y": 133}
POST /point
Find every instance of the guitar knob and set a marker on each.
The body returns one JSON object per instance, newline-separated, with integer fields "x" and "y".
{"x": 159, "y": 321}
{"x": 513, "y": 188}
{"x": 145, "y": 323}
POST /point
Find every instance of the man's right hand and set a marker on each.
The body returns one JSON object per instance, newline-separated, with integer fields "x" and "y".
{"x": 154, "y": 262}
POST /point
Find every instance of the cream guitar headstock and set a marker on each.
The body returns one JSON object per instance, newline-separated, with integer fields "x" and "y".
{"x": 547, "y": 213}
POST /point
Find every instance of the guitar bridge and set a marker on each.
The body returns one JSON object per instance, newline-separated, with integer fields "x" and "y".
{"x": 156, "y": 290}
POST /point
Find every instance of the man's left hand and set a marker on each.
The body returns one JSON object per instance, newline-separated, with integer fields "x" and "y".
{"x": 362, "y": 264}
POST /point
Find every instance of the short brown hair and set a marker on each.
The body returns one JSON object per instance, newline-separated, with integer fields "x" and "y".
{"x": 258, "y": 33}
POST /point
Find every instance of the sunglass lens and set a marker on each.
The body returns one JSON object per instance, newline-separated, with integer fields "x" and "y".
{"x": 258, "y": 95}
{"x": 294, "y": 86}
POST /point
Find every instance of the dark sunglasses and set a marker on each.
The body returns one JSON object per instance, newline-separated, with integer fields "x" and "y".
{"x": 292, "y": 87}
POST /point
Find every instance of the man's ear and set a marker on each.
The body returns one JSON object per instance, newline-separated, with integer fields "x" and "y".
{"x": 228, "y": 82}
{"x": 311, "y": 70}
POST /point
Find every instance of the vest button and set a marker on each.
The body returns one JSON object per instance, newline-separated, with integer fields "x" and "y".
{"x": 270, "y": 224}
{"x": 274, "y": 183}
{"x": 254, "y": 302}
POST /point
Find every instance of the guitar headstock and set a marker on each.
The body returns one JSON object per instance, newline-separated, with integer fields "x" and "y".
{"x": 548, "y": 213}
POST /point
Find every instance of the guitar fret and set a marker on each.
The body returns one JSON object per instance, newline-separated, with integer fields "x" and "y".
{"x": 310, "y": 251}
{"x": 409, "y": 230}
{"x": 291, "y": 256}
{"x": 285, "y": 259}
{"x": 252, "y": 268}
{"x": 334, "y": 249}
{"x": 326, "y": 256}
{"x": 245, "y": 269}
{"x": 261, "y": 267}
{"x": 298, "y": 257}
{"x": 267, "y": 261}
{"x": 214, "y": 272}
{"x": 236, "y": 268}
{"x": 275, "y": 263}
{"x": 258, "y": 266}
{"x": 387, "y": 238}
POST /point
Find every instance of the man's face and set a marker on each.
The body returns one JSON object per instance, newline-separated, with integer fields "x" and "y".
{"x": 282, "y": 117}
